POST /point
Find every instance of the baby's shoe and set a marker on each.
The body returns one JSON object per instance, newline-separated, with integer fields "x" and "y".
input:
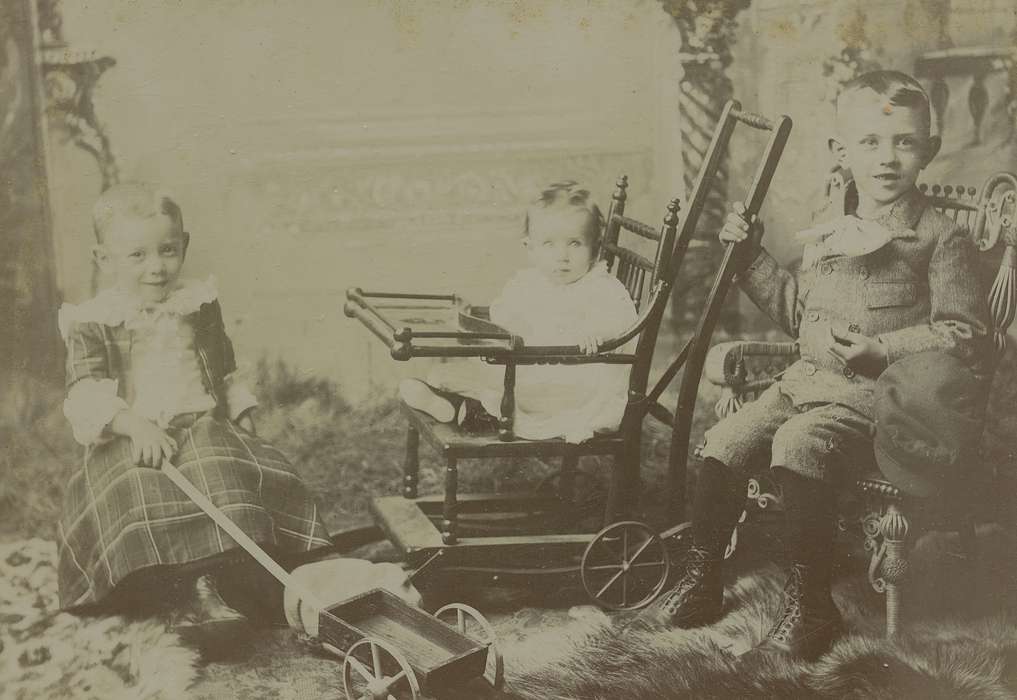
{"x": 473, "y": 419}
{"x": 420, "y": 396}
{"x": 207, "y": 622}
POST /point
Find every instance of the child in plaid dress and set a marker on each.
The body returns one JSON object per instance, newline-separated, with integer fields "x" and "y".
{"x": 883, "y": 277}
{"x": 150, "y": 378}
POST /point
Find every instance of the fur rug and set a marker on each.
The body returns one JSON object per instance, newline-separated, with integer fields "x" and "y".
{"x": 48, "y": 654}
{"x": 961, "y": 643}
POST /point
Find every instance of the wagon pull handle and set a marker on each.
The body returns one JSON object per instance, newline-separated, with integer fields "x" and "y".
{"x": 246, "y": 543}
{"x": 430, "y": 560}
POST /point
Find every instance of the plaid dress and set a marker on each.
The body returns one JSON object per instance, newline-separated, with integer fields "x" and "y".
{"x": 119, "y": 518}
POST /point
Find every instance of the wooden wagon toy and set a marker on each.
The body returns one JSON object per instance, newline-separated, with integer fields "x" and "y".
{"x": 390, "y": 649}
{"x": 536, "y": 537}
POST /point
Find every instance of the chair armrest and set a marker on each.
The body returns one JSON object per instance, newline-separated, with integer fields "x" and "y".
{"x": 736, "y": 363}
{"x": 743, "y": 368}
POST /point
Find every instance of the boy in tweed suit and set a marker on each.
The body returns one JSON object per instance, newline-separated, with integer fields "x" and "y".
{"x": 883, "y": 276}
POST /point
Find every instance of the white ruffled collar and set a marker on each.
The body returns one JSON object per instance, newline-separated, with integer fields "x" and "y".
{"x": 847, "y": 236}
{"x": 113, "y": 307}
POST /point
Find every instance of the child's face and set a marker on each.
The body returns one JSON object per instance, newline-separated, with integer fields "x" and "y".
{"x": 558, "y": 245}
{"x": 885, "y": 146}
{"x": 144, "y": 255}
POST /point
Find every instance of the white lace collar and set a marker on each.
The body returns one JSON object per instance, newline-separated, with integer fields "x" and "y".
{"x": 113, "y": 307}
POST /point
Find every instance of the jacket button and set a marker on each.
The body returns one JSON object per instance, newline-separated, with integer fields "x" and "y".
{"x": 854, "y": 328}
{"x": 864, "y": 272}
{"x": 813, "y": 315}
{"x": 810, "y": 369}
{"x": 848, "y": 372}
{"x": 827, "y": 269}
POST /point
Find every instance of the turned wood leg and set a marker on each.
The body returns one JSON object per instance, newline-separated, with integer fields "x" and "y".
{"x": 449, "y": 524}
{"x": 632, "y": 477}
{"x": 506, "y": 427}
{"x": 890, "y": 562}
{"x": 614, "y": 493}
{"x": 624, "y": 482}
{"x": 567, "y": 486}
{"x": 411, "y": 466}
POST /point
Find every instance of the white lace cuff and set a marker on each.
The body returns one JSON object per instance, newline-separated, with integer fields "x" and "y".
{"x": 238, "y": 397}
{"x": 90, "y": 406}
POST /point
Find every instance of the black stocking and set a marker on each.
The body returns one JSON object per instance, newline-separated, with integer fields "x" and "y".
{"x": 719, "y": 500}
{"x": 810, "y": 508}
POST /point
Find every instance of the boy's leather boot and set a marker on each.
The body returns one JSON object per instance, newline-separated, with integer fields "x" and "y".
{"x": 809, "y": 621}
{"x": 696, "y": 599}
{"x": 698, "y": 596}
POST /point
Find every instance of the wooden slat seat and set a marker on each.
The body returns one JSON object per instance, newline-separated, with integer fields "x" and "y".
{"x": 450, "y": 440}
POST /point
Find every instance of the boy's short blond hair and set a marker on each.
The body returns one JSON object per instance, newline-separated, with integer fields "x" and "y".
{"x": 135, "y": 199}
{"x": 571, "y": 194}
{"x": 900, "y": 90}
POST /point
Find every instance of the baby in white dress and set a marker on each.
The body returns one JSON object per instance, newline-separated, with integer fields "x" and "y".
{"x": 565, "y": 297}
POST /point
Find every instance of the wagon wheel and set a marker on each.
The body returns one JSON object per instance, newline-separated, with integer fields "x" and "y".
{"x": 470, "y": 623}
{"x": 375, "y": 684}
{"x": 625, "y": 566}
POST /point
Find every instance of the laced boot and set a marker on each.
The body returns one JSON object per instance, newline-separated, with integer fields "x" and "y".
{"x": 809, "y": 622}
{"x": 695, "y": 600}
{"x": 698, "y": 597}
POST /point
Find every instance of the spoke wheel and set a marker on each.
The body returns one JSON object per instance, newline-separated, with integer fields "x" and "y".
{"x": 374, "y": 670}
{"x": 625, "y": 566}
{"x": 470, "y": 623}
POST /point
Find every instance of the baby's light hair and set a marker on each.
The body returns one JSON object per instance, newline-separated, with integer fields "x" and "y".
{"x": 137, "y": 199}
{"x": 571, "y": 194}
{"x": 900, "y": 89}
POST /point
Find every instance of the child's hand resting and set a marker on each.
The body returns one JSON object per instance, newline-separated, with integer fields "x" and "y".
{"x": 738, "y": 227}
{"x": 858, "y": 352}
{"x": 590, "y": 345}
{"x": 149, "y": 443}
{"x": 246, "y": 421}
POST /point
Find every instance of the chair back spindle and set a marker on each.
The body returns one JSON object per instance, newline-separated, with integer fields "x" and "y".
{"x": 631, "y": 268}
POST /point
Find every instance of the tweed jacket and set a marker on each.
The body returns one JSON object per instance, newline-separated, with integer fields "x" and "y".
{"x": 918, "y": 292}
{"x": 98, "y": 366}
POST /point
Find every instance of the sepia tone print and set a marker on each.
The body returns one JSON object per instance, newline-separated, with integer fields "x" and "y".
{"x": 524, "y": 349}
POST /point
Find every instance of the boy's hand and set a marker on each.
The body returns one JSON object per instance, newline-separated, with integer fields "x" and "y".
{"x": 246, "y": 422}
{"x": 859, "y": 352}
{"x": 590, "y": 345}
{"x": 738, "y": 227}
{"x": 149, "y": 443}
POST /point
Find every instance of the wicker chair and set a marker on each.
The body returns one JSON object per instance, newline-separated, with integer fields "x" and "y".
{"x": 745, "y": 368}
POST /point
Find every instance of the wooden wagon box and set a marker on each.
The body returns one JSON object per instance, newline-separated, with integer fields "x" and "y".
{"x": 439, "y": 655}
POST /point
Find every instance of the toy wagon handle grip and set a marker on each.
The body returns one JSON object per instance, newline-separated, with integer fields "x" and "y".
{"x": 756, "y": 121}
{"x": 764, "y": 174}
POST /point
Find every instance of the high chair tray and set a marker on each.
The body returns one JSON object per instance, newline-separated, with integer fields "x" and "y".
{"x": 445, "y": 325}
{"x": 428, "y": 325}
